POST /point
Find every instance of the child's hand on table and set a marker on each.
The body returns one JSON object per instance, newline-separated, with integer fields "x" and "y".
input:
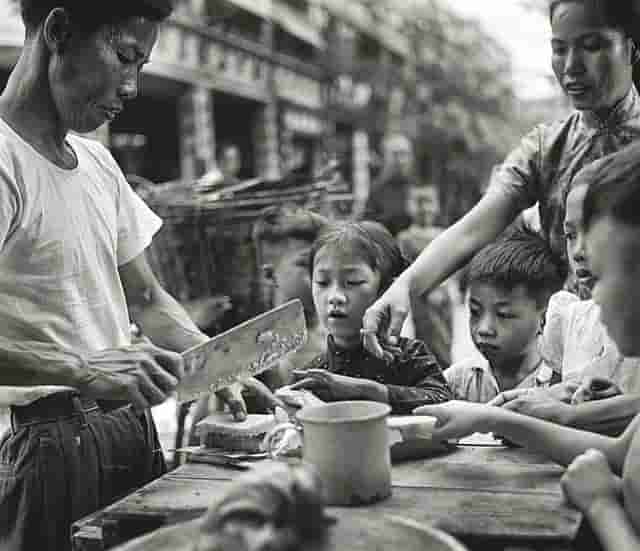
{"x": 330, "y": 386}
{"x": 456, "y": 418}
{"x": 589, "y": 481}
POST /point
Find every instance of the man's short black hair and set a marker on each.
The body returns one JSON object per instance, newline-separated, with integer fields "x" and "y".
{"x": 614, "y": 187}
{"x": 520, "y": 256}
{"x": 89, "y": 15}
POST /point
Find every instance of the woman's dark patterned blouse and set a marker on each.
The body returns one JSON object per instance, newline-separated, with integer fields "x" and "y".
{"x": 414, "y": 377}
{"x": 542, "y": 167}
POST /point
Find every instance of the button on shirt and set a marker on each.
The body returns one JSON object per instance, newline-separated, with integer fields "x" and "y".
{"x": 547, "y": 159}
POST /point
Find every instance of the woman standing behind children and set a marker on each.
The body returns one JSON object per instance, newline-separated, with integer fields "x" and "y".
{"x": 594, "y": 50}
{"x": 603, "y": 477}
{"x": 352, "y": 263}
{"x": 509, "y": 284}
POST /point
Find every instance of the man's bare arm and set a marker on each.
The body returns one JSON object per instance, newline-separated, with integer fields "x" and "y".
{"x": 29, "y": 363}
{"x": 161, "y": 317}
{"x": 142, "y": 375}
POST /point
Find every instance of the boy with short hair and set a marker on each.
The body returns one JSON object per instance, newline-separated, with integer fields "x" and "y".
{"x": 508, "y": 285}
{"x": 592, "y": 482}
{"x": 282, "y": 237}
{"x": 576, "y": 344}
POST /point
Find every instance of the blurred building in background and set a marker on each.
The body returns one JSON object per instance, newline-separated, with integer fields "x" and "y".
{"x": 294, "y": 83}
{"x": 290, "y": 82}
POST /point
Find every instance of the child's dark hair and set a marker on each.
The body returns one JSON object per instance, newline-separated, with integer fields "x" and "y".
{"x": 614, "y": 188}
{"x": 370, "y": 241}
{"x": 87, "y": 15}
{"x": 288, "y": 220}
{"x": 518, "y": 257}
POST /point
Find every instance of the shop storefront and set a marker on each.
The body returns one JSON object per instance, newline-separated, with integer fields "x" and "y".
{"x": 145, "y": 138}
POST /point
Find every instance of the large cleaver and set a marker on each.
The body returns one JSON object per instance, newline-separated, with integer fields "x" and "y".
{"x": 243, "y": 351}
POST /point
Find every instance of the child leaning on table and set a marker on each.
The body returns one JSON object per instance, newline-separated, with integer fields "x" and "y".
{"x": 508, "y": 286}
{"x": 575, "y": 342}
{"x": 352, "y": 263}
{"x": 592, "y": 482}
{"x": 600, "y": 389}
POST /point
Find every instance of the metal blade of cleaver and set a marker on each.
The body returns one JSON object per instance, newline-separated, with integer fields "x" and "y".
{"x": 243, "y": 351}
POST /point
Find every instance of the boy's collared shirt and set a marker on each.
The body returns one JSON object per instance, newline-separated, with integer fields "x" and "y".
{"x": 542, "y": 167}
{"x": 576, "y": 344}
{"x": 472, "y": 379}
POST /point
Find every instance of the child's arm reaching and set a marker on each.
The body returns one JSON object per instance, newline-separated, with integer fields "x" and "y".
{"x": 591, "y": 486}
{"x": 606, "y": 416}
{"x": 561, "y": 444}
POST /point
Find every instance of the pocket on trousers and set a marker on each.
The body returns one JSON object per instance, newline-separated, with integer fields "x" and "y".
{"x": 10, "y": 499}
{"x": 20, "y": 493}
{"x": 123, "y": 455}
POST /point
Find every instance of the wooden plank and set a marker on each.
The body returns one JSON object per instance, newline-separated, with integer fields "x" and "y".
{"x": 487, "y": 494}
{"x": 484, "y": 476}
{"x": 463, "y": 512}
{"x": 474, "y": 513}
{"x": 465, "y": 468}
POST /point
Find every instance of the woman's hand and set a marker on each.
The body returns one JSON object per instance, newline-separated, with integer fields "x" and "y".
{"x": 383, "y": 320}
{"x": 457, "y": 418}
{"x": 589, "y": 480}
{"x": 331, "y": 387}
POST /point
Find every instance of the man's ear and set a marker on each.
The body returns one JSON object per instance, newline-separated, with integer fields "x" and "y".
{"x": 57, "y": 30}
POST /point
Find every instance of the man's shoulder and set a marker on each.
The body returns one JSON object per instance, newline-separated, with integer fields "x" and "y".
{"x": 97, "y": 160}
{"x": 92, "y": 147}
{"x": 11, "y": 149}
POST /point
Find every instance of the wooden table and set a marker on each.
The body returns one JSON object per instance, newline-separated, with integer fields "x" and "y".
{"x": 487, "y": 495}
